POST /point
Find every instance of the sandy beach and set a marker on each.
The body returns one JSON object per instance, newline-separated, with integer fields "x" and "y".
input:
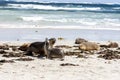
{"x": 59, "y": 40}
{"x": 87, "y": 68}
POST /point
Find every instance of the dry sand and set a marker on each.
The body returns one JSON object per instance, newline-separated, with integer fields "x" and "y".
{"x": 91, "y": 68}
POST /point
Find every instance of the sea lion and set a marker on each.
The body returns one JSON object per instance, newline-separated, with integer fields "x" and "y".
{"x": 56, "y": 53}
{"x": 80, "y": 40}
{"x": 113, "y": 45}
{"x": 40, "y": 48}
{"x": 51, "y": 42}
{"x": 89, "y": 46}
{"x": 24, "y": 47}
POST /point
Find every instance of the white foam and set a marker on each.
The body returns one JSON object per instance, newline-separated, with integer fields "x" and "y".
{"x": 59, "y": 27}
{"x": 78, "y": 27}
{"x": 31, "y": 18}
{"x": 44, "y": 7}
{"x": 117, "y": 8}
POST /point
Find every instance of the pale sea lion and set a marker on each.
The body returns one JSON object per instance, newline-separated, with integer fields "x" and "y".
{"x": 89, "y": 46}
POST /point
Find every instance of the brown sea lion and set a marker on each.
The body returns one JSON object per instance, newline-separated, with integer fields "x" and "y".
{"x": 52, "y": 42}
{"x": 89, "y": 46}
{"x": 40, "y": 48}
{"x": 113, "y": 45}
{"x": 24, "y": 47}
{"x": 80, "y": 40}
{"x": 56, "y": 53}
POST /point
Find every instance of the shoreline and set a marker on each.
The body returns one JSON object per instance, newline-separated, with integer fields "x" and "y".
{"x": 37, "y": 34}
{"x": 49, "y": 27}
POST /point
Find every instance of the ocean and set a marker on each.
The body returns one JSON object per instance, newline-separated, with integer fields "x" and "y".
{"x": 34, "y": 21}
{"x": 15, "y": 14}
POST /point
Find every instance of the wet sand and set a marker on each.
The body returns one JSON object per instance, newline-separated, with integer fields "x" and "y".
{"x": 36, "y": 34}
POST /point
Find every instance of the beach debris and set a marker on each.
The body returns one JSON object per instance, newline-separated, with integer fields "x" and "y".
{"x": 109, "y": 54}
{"x": 103, "y": 45}
{"x": 71, "y": 53}
{"x": 118, "y": 48}
{"x": 63, "y": 46}
{"x": 24, "y": 59}
{"x": 14, "y": 54}
{"x": 81, "y": 56}
{"x": 68, "y": 64}
{"x": 80, "y": 40}
{"x": 4, "y": 46}
{"x": 109, "y": 51}
{"x": 14, "y": 48}
{"x": 6, "y": 61}
{"x": 36, "y": 31}
{"x": 88, "y": 46}
{"x": 56, "y": 53}
{"x": 60, "y": 38}
{"x": 2, "y": 51}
